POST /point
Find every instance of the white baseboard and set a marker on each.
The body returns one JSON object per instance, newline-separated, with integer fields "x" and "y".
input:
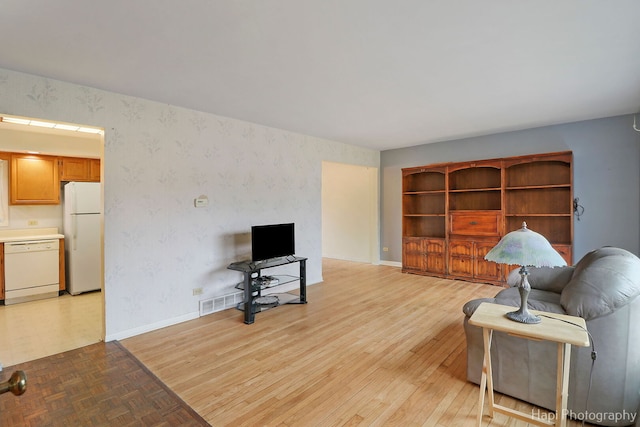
{"x": 391, "y": 263}
{"x": 151, "y": 327}
{"x": 186, "y": 317}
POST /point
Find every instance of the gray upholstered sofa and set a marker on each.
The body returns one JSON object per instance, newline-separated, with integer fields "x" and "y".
{"x": 603, "y": 288}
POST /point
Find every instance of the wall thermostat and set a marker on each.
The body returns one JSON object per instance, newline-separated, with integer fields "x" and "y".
{"x": 201, "y": 201}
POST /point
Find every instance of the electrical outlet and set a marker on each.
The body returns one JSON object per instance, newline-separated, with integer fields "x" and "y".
{"x": 32, "y": 222}
{"x": 197, "y": 291}
{"x": 385, "y": 249}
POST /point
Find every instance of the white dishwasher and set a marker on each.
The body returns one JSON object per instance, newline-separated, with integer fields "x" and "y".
{"x": 31, "y": 270}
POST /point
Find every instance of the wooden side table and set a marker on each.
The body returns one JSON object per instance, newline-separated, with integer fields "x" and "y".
{"x": 491, "y": 317}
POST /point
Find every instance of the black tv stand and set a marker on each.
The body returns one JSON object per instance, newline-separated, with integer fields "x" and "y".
{"x": 252, "y": 285}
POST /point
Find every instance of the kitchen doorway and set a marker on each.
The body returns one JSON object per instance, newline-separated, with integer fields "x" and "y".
{"x": 34, "y": 329}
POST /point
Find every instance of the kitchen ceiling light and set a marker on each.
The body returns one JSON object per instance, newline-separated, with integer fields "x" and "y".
{"x": 16, "y": 120}
{"x": 67, "y": 127}
{"x": 42, "y": 124}
{"x": 50, "y": 125}
{"x": 89, "y": 130}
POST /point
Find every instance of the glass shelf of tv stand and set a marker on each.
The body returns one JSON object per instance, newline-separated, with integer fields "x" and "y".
{"x": 281, "y": 299}
{"x": 255, "y": 266}
{"x": 265, "y": 282}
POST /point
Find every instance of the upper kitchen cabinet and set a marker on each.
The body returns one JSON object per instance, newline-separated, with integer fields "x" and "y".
{"x": 34, "y": 180}
{"x": 94, "y": 170}
{"x": 79, "y": 169}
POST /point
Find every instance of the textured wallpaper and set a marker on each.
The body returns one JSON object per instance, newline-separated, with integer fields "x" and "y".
{"x": 157, "y": 159}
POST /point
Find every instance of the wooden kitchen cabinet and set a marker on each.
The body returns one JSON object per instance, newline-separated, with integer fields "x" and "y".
{"x": 1, "y": 271}
{"x": 94, "y": 170}
{"x": 34, "y": 180}
{"x": 79, "y": 169}
{"x": 61, "y": 266}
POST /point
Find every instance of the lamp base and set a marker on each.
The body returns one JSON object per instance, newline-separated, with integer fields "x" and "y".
{"x": 523, "y": 316}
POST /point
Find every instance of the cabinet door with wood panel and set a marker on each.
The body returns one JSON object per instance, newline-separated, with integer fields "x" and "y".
{"x": 476, "y": 223}
{"x": 94, "y": 170}
{"x": 79, "y": 169}
{"x": 461, "y": 258}
{"x": 435, "y": 254}
{"x": 34, "y": 180}
{"x": 1, "y": 270}
{"x": 61, "y": 267}
{"x": 483, "y": 269}
{"x": 74, "y": 169}
{"x": 413, "y": 254}
{"x": 422, "y": 255}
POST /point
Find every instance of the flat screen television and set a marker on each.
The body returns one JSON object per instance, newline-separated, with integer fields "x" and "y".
{"x": 272, "y": 241}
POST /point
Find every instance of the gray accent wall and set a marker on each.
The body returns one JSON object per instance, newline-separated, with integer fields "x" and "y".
{"x": 606, "y": 177}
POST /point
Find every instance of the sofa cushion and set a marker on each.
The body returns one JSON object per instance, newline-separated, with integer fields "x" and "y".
{"x": 603, "y": 281}
{"x": 544, "y": 278}
{"x": 538, "y": 300}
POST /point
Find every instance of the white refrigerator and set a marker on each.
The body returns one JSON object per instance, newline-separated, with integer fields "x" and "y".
{"x": 81, "y": 225}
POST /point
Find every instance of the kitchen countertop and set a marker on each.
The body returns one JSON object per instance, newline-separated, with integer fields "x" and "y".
{"x": 27, "y": 234}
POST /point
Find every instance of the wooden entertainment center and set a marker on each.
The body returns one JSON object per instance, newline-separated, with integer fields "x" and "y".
{"x": 454, "y": 213}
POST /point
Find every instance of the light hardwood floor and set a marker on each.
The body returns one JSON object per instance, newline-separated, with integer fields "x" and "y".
{"x": 36, "y": 329}
{"x": 372, "y": 347}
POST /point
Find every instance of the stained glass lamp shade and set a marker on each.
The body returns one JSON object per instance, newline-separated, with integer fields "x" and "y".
{"x": 525, "y": 248}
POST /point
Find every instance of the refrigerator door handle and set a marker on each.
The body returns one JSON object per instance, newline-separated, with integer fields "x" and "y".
{"x": 74, "y": 204}
{"x": 74, "y": 231}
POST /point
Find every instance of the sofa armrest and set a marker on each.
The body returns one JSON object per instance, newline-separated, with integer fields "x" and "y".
{"x": 607, "y": 279}
{"x": 544, "y": 278}
{"x": 470, "y": 307}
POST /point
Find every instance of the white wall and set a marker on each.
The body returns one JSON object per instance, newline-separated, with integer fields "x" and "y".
{"x": 350, "y": 221}
{"x": 157, "y": 159}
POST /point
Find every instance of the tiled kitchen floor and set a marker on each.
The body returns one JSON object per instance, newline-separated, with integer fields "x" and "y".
{"x": 36, "y": 329}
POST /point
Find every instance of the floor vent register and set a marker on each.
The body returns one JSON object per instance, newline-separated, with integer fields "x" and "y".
{"x": 215, "y": 304}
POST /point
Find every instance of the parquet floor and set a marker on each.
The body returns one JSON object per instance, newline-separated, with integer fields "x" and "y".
{"x": 98, "y": 385}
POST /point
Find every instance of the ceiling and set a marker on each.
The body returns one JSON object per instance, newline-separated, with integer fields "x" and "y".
{"x": 375, "y": 73}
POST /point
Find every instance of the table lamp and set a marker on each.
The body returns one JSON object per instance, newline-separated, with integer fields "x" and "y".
{"x": 525, "y": 248}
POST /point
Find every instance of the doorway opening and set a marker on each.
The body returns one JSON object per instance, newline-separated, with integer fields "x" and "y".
{"x": 66, "y": 321}
{"x": 350, "y": 214}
